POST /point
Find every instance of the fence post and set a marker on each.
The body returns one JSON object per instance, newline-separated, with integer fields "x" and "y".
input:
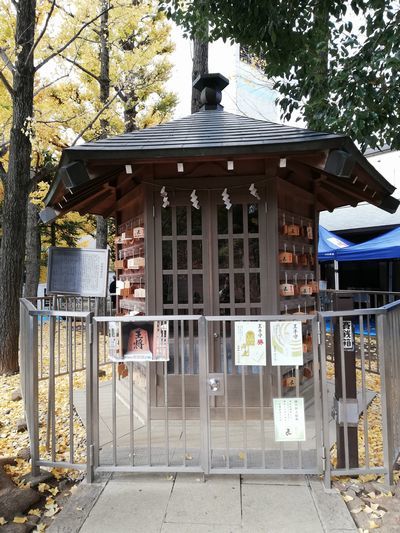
{"x": 91, "y": 374}
{"x": 203, "y": 392}
{"x": 384, "y": 336}
{"x": 326, "y": 459}
{"x": 32, "y": 391}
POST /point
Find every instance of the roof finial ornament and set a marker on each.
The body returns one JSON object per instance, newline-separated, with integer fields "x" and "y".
{"x": 211, "y": 87}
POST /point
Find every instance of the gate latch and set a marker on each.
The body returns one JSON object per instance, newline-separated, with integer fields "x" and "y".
{"x": 216, "y": 384}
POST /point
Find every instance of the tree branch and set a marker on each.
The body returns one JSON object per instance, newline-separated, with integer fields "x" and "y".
{"x": 82, "y": 68}
{"x": 7, "y": 61}
{"x": 70, "y": 41}
{"x": 6, "y": 83}
{"x": 46, "y": 23}
{"x": 52, "y": 82}
{"x": 106, "y": 106}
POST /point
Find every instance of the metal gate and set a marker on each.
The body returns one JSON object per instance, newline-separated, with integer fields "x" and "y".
{"x": 216, "y": 419}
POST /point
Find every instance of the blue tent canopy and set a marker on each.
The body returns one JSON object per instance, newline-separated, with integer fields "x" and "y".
{"x": 329, "y": 244}
{"x": 385, "y": 246}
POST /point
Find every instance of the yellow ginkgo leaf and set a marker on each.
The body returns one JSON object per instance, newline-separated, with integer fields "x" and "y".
{"x": 2, "y": 521}
{"x": 20, "y": 519}
{"x": 373, "y": 525}
{"x": 35, "y": 512}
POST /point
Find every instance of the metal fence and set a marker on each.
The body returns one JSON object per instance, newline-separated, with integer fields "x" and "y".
{"x": 199, "y": 411}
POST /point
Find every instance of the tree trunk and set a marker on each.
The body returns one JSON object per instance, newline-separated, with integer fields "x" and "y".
{"x": 101, "y": 223}
{"x": 101, "y": 232}
{"x": 319, "y": 92}
{"x": 200, "y": 66}
{"x": 16, "y": 189}
{"x": 32, "y": 253}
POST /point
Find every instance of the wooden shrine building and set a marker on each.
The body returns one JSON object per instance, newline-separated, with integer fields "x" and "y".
{"x": 216, "y": 214}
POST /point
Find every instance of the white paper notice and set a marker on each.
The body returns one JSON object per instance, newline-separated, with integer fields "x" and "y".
{"x": 286, "y": 343}
{"x": 289, "y": 420}
{"x": 250, "y": 343}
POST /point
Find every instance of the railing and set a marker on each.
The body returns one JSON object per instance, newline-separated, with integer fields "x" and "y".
{"x": 161, "y": 416}
{"x": 361, "y": 299}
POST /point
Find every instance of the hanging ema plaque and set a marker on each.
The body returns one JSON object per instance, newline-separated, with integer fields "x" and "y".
{"x": 77, "y": 271}
{"x": 138, "y": 341}
{"x": 250, "y": 345}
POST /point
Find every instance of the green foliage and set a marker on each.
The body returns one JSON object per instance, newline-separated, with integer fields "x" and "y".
{"x": 335, "y": 63}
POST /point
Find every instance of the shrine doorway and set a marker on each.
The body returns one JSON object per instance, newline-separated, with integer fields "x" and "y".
{"x": 211, "y": 261}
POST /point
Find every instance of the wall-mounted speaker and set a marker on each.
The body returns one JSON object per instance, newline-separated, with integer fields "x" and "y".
{"x": 340, "y": 163}
{"x": 74, "y": 174}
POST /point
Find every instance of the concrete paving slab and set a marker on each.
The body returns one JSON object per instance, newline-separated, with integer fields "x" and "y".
{"x": 131, "y": 503}
{"x": 199, "y": 528}
{"x": 274, "y": 480}
{"x": 331, "y": 508}
{"x": 215, "y": 502}
{"x": 279, "y": 509}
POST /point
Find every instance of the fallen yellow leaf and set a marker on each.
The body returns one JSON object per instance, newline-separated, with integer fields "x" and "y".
{"x": 20, "y": 519}
{"x": 373, "y": 525}
{"x": 43, "y": 486}
{"x": 35, "y": 512}
{"x": 2, "y": 521}
{"x": 348, "y": 498}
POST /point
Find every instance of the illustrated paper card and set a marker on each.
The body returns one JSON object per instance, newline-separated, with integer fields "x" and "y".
{"x": 250, "y": 344}
{"x": 289, "y": 419}
{"x": 286, "y": 343}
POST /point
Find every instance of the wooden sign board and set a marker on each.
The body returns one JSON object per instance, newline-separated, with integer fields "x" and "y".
{"x": 77, "y": 271}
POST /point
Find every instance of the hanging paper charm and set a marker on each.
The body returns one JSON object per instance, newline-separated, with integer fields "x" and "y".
{"x": 194, "y": 199}
{"x": 164, "y": 195}
{"x": 253, "y": 191}
{"x": 226, "y": 199}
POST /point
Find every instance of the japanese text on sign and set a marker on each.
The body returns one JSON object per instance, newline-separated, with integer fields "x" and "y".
{"x": 286, "y": 343}
{"x": 289, "y": 419}
{"x": 348, "y": 337}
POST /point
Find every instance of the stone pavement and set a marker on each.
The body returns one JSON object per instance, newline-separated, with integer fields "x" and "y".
{"x": 187, "y": 503}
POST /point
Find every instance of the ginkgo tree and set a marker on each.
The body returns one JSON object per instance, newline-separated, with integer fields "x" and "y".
{"x": 47, "y": 103}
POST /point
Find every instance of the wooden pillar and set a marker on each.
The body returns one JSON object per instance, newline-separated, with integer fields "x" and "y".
{"x": 342, "y": 304}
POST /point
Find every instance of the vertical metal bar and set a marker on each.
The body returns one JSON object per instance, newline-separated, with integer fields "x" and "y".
{"x": 95, "y": 393}
{"x": 244, "y": 414}
{"x": 166, "y": 406}
{"x": 344, "y": 396}
{"x": 205, "y": 451}
{"x": 114, "y": 414}
{"x": 131, "y": 416}
{"x": 299, "y": 448}
{"x": 262, "y": 425}
{"x": 33, "y": 392}
{"x": 50, "y": 441}
{"x": 183, "y": 397}
{"x": 279, "y": 391}
{"x": 364, "y": 390}
{"x": 317, "y": 377}
{"x": 325, "y": 406}
{"x": 89, "y": 399}
{"x": 71, "y": 391}
{"x": 383, "y": 332}
{"x": 226, "y": 397}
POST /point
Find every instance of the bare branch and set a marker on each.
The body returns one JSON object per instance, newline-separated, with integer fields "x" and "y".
{"x": 106, "y": 106}
{"x": 40, "y": 36}
{"x": 7, "y": 61}
{"x": 70, "y": 41}
{"x": 6, "y": 83}
{"x": 82, "y": 68}
{"x": 52, "y": 82}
